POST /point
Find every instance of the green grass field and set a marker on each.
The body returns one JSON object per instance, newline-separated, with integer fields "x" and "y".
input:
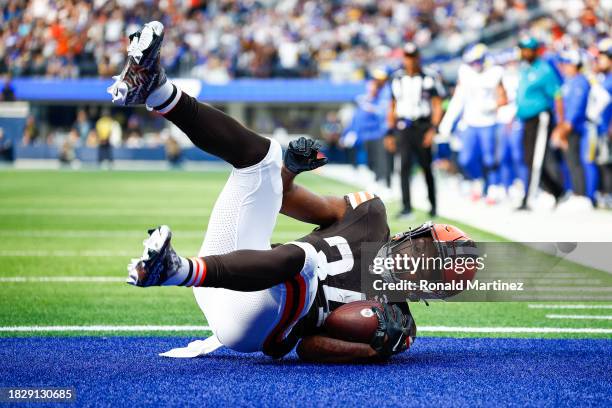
{"x": 90, "y": 223}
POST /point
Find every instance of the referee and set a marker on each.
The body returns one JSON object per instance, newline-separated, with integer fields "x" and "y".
{"x": 416, "y": 111}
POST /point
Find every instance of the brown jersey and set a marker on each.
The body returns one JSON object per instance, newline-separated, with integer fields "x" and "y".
{"x": 339, "y": 248}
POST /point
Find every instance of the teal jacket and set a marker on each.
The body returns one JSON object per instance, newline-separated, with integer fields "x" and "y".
{"x": 538, "y": 87}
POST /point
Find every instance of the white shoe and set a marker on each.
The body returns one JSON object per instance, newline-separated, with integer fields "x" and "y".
{"x": 575, "y": 204}
{"x": 544, "y": 202}
{"x": 158, "y": 261}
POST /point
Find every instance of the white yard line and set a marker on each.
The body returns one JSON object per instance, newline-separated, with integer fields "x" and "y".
{"x": 61, "y": 279}
{"x": 65, "y": 253}
{"x": 431, "y": 329}
{"x": 100, "y": 328}
{"x": 535, "y": 275}
{"x": 108, "y": 212}
{"x": 565, "y": 281}
{"x": 115, "y": 234}
{"x": 579, "y": 317}
{"x": 452, "y": 329}
{"x": 567, "y": 289}
{"x": 542, "y": 306}
{"x": 562, "y": 298}
{"x": 89, "y": 233}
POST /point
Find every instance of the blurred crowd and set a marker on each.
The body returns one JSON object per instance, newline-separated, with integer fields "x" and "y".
{"x": 93, "y": 126}
{"x": 217, "y": 40}
{"x": 536, "y": 113}
{"x": 489, "y": 140}
{"x": 99, "y": 128}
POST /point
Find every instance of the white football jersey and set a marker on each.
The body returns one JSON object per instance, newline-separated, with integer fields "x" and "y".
{"x": 479, "y": 90}
{"x": 506, "y": 113}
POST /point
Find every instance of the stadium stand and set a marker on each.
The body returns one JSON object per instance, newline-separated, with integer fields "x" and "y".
{"x": 284, "y": 67}
{"x": 219, "y": 40}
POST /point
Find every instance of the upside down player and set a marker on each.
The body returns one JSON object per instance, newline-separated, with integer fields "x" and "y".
{"x": 256, "y": 298}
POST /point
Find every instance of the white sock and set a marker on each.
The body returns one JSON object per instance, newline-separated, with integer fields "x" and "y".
{"x": 191, "y": 272}
{"x": 164, "y": 98}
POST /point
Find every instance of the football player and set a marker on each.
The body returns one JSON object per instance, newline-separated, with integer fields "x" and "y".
{"x": 254, "y": 297}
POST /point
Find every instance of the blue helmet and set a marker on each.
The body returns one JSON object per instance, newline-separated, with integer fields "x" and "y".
{"x": 475, "y": 54}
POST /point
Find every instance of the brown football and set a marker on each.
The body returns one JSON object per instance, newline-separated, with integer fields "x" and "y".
{"x": 353, "y": 321}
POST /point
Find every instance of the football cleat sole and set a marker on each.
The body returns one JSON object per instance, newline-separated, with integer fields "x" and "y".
{"x": 142, "y": 73}
{"x": 149, "y": 270}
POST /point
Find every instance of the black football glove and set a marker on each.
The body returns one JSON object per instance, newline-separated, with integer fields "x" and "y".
{"x": 393, "y": 330}
{"x": 303, "y": 155}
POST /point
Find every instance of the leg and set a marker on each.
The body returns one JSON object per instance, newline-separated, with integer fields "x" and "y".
{"x": 389, "y": 162}
{"x": 487, "y": 141}
{"x": 424, "y": 157}
{"x": 406, "y": 166}
{"x": 243, "y": 218}
{"x": 426, "y": 160}
{"x": 516, "y": 147}
{"x": 264, "y": 283}
{"x": 588, "y": 146}
{"x": 550, "y": 178}
{"x": 565, "y": 177}
{"x": 606, "y": 171}
{"x": 530, "y": 132}
{"x": 216, "y": 133}
{"x": 606, "y": 181}
{"x": 370, "y": 148}
{"x": 550, "y": 175}
{"x": 573, "y": 161}
{"x": 506, "y": 168}
{"x": 379, "y": 157}
{"x": 143, "y": 80}
{"x": 469, "y": 152}
{"x": 245, "y": 213}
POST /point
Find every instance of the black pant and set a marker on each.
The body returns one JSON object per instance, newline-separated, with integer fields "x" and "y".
{"x": 605, "y": 169}
{"x": 379, "y": 160}
{"x": 575, "y": 164}
{"x": 216, "y": 133}
{"x": 411, "y": 146}
{"x": 105, "y": 152}
{"x": 606, "y": 178}
{"x": 550, "y": 171}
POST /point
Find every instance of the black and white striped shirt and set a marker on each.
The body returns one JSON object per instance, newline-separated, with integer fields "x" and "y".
{"x": 412, "y": 94}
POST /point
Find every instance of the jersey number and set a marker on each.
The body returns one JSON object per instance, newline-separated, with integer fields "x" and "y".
{"x": 343, "y": 265}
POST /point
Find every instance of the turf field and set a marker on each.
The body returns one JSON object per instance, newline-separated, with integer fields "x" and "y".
{"x": 67, "y": 237}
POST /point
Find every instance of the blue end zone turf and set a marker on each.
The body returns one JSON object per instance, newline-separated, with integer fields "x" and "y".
{"x": 126, "y": 371}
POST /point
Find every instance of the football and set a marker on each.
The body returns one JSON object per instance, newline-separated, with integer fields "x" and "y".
{"x": 353, "y": 321}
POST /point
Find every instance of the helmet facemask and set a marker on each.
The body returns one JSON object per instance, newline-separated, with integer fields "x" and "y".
{"x": 425, "y": 241}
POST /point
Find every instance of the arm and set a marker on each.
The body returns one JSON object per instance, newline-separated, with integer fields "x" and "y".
{"x": 563, "y": 128}
{"x": 323, "y": 349}
{"x": 391, "y": 114}
{"x": 559, "y": 109}
{"x": 502, "y": 97}
{"x": 436, "y": 110}
{"x": 396, "y": 331}
{"x": 552, "y": 88}
{"x": 389, "y": 140}
{"x": 455, "y": 107}
{"x": 299, "y": 203}
{"x": 306, "y": 206}
{"x": 436, "y": 118}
